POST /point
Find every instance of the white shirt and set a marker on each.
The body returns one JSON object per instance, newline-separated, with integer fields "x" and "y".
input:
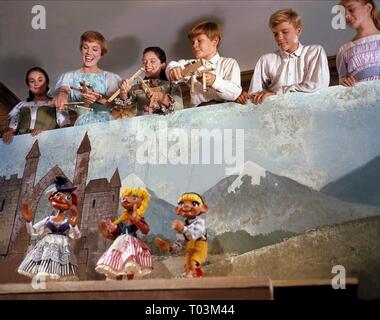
{"x": 62, "y": 116}
{"x": 226, "y": 85}
{"x": 194, "y": 230}
{"x": 304, "y": 70}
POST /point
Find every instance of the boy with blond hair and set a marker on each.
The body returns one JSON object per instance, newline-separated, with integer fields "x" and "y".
{"x": 293, "y": 68}
{"x": 223, "y": 83}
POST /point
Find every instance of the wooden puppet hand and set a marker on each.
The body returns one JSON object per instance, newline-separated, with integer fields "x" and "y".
{"x": 7, "y": 137}
{"x": 134, "y": 217}
{"x": 259, "y": 97}
{"x": 162, "y": 244}
{"x": 74, "y": 216}
{"x": 25, "y": 212}
{"x": 36, "y": 132}
{"x": 62, "y": 98}
{"x": 124, "y": 87}
{"x": 104, "y": 229}
{"x": 178, "y": 226}
{"x": 243, "y": 98}
{"x": 175, "y": 74}
{"x": 349, "y": 82}
{"x": 209, "y": 78}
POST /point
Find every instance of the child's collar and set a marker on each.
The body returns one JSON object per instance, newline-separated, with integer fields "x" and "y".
{"x": 215, "y": 58}
{"x": 296, "y": 53}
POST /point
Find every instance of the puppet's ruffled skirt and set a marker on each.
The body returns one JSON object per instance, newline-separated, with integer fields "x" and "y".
{"x": 127, "y": 255}
{"x": 50, "y": 259}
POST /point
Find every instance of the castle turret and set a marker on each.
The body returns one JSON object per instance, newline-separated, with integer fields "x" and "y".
{"x": 115, "y": 185}
{"x": 81, "y": 169}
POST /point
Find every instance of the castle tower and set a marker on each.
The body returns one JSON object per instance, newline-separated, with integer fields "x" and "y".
{"x": 115, "y": 184}
{"x": 30, "y": 171}
{"x": 9, "y": 197}
{"x": 98, "y": 204}
{"x": 19, "y": 238}
{"x": 81, "y": 169}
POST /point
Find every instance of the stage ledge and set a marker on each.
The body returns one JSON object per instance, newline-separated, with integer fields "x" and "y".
{"x": 208, "y": 288}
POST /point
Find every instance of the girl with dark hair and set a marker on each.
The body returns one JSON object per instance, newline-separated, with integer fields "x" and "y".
{"x": 163, "y": 97}
{"x": 34, "y": 114}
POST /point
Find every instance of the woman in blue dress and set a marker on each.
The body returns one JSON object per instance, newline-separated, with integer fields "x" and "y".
{"x": 92, "y": 46}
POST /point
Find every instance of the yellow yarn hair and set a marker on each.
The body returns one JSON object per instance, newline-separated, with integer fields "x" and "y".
{"x": 142, "y": 194}
{"x": 191, "y": 197}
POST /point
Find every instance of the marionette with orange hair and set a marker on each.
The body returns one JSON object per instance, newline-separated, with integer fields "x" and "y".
{"x": 52, "y": 258}
{"x": 128, "y": 256}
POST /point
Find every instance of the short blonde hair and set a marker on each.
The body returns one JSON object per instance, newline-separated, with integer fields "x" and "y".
{"x": 211, "y": 29}
{"x": 94, "y": 36}
{"x": 285, "y": 15}
{"x": 142, "y": 194}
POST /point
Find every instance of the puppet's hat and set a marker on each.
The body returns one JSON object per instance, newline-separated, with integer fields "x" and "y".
{"x": 61, "y": 184}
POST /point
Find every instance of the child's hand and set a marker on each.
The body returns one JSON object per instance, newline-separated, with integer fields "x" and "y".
{"x": 36, "y": 132}
{"x": 209, "y": 78}
{"x": 178, "y": 226}
{"x": 349, "y": 82}
{"x": 259, "y": 97}
{"x": 7, "y": 137}
{"x": 243, "y": 98}
{"x": 124, "y": 87}
{"x": 61, "y": 99}
{"x": 175, "y": 74}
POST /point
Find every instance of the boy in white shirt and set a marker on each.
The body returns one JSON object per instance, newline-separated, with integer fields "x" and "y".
{"x": 293, "y": 68}
{"x": 223, "y": 84}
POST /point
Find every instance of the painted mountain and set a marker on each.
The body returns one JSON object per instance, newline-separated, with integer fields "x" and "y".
{"x": 259, "y": 203}
{"x": 360, "y": 186}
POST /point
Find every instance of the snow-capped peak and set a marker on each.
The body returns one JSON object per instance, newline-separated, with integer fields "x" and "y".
{"x": 251, "y": 169}
{"x": 133, "y": 181}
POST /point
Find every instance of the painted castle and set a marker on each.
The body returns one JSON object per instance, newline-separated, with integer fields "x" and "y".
{"x": 97, "y": 199}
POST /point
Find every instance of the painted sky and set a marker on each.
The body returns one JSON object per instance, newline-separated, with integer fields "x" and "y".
{"x": 311, "y": 138}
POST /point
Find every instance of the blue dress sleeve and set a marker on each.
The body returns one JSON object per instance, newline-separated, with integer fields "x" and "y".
{"x": 112, "y": 82}
{"x": 65, "y": 80}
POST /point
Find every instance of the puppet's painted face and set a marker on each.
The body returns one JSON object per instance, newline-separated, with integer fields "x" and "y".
{"x": 190, "y": 209}
{"x": 91, "y": 53}
{"x": 152, "y": 65}
{"x": 61, "y": 200}
{"x": 129, "y": 201}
